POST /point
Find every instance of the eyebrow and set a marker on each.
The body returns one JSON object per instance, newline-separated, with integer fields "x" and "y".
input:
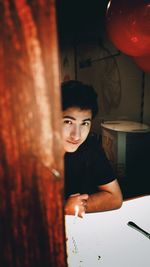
{"x": 72, "y": 118}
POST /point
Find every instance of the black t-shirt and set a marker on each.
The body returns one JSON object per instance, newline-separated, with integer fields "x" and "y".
{"x": 87, "y": 168}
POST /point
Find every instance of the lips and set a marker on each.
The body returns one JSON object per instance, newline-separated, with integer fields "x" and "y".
{"x": 72, "y": 142}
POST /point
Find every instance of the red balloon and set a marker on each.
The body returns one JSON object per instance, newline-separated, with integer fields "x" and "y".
{"x": 143, "y": 62}
{"x": 128, "y": 25}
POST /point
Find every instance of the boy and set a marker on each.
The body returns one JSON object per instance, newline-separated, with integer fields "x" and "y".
{"x": 90, "y": 182}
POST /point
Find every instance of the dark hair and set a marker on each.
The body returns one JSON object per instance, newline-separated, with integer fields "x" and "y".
{"x": 76, "y": 94}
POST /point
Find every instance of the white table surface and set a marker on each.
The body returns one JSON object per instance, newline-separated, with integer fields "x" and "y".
{"x": 104, "y": 239}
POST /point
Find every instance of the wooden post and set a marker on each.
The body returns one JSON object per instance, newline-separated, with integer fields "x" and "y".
{"x": 31, "y": 155}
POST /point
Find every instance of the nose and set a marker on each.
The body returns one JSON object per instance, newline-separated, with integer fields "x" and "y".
{"x": 75, "y": 133}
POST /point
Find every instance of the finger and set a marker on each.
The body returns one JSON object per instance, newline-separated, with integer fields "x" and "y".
{"x": 82, "y": 214}
{"x": 84, "y": 203}
{"x": 85, "y": 196}
{"x": 75, "y": 195}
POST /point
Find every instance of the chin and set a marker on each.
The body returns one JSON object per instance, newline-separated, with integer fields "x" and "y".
{"x": 71, "y": 149}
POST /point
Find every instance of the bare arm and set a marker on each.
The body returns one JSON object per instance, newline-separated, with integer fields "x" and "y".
{"x": 108, "y": 198}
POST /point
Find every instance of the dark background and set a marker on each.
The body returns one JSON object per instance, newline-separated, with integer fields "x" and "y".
{"x": 80, "y": 20}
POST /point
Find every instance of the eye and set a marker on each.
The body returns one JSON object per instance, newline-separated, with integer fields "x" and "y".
{"x": 69, "y": 122}
{"x": 86, "y": 123}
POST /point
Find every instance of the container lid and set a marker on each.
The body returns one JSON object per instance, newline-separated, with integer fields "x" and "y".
{"x": 125, "y": 126}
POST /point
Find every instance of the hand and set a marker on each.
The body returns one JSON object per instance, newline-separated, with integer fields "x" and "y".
{"x": 76, "y": 200}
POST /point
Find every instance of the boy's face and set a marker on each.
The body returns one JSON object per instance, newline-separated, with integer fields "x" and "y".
{"x": 76, "y": 127}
